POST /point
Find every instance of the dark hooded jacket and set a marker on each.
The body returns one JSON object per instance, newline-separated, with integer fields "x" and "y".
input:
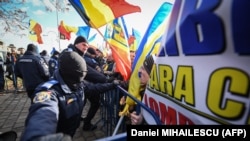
{"x": 92, "y": 75}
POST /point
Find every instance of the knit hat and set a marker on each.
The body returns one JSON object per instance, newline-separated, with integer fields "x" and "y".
{"x": 80, "y": 39}
{"x": 32, "y": 47}
{"x": 91, "y": 51}
{"x": 44, "y": 52}
{"x": 72, "y": 67}
{"x": 148, "y": 63}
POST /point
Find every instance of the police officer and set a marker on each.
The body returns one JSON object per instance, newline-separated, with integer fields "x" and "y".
{"x": 32, "y": 69}
{"x": 53, "y": 62}
{"x": 58, "y": 103}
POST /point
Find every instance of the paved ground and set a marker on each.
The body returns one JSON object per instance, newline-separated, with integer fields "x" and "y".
{"x": 14, "y": 109}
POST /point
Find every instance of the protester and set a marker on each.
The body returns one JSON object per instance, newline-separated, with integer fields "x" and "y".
{"x": 109, "y": 66}
{"x": 32, "y": 69}
{"x": 132, "y": 56}
{"x": 44, "y": 54}
{"x": 144, "y": 75}
{"x": 100, "y": 58}
{"x": 80, "y": 46}
{"x": 10, "y": 64}
{"x": 21, "y": 51}
{"x": 90, "y": 58}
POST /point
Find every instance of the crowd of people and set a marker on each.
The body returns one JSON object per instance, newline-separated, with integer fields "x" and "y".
{"x": 7, "y": 63}
{"x": 60, "y": 84}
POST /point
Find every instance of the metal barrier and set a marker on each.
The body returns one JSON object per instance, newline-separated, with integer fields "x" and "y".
{"x": 110, "y": 118}
{"x": 109, "y": 110}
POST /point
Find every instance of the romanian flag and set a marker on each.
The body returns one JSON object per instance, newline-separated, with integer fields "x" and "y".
{"x": 118, "y": 41}
{"x": 66, "y": 30}
{"x": 97, "y": 13}
{"x": 35, "y": 31}
{"x": 149, "y": 45}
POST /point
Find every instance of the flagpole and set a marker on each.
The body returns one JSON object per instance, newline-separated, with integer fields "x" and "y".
{"x": 99, "y": 31}
{"x": 58, "y": 34}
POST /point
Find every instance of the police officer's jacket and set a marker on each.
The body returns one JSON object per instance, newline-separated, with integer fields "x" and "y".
{"x": 32, "y": 69}
{"x": 53, "y": 64}
{"x": 55, "y": 108}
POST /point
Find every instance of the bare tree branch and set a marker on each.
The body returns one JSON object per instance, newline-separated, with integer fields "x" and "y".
{"x": 13, "y": 19}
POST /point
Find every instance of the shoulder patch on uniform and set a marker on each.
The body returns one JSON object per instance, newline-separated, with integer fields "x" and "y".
{"x": 42, "y": 96}
{"x": 53, "y": 64}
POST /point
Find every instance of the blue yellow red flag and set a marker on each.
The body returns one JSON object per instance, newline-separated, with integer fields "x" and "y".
{"x": 148, "y": 46}
{"x": 66, "y": 30}
{"x": 35, "y": 31}
{"x": 117, "y": 36}
{"x": 96, "y": 13}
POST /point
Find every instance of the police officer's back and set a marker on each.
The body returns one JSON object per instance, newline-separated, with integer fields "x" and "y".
{"x": 32, "y": 69}
{"x": 53, "y": 62}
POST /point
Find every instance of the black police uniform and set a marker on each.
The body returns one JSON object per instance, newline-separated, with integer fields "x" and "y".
{"x": 33, "y": 70}
{"x": 55, "y": 108}
{"x": 53, "y": 64}
{"x": 65, "y": 107}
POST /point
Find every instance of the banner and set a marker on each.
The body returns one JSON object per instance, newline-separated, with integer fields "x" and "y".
{"x": 202, "y": 74}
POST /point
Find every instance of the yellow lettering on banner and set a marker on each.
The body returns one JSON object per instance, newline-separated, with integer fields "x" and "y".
{"x": 228, "y": 80}
{"x": 166, "y": 79}
{"x": 154, "y": 79}
{"x": 184, "y": 87}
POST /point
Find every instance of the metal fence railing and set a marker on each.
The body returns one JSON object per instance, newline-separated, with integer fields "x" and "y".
{"x": 109, "y": 110}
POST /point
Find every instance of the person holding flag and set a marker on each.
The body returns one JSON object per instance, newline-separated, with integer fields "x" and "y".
{"x": 144, "y": 75}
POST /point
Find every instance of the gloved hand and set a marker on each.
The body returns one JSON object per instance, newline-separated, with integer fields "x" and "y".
{"x": 55, "y": 137}
{"x": 116, "y": 82}
{"x": 124, "y": 84}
